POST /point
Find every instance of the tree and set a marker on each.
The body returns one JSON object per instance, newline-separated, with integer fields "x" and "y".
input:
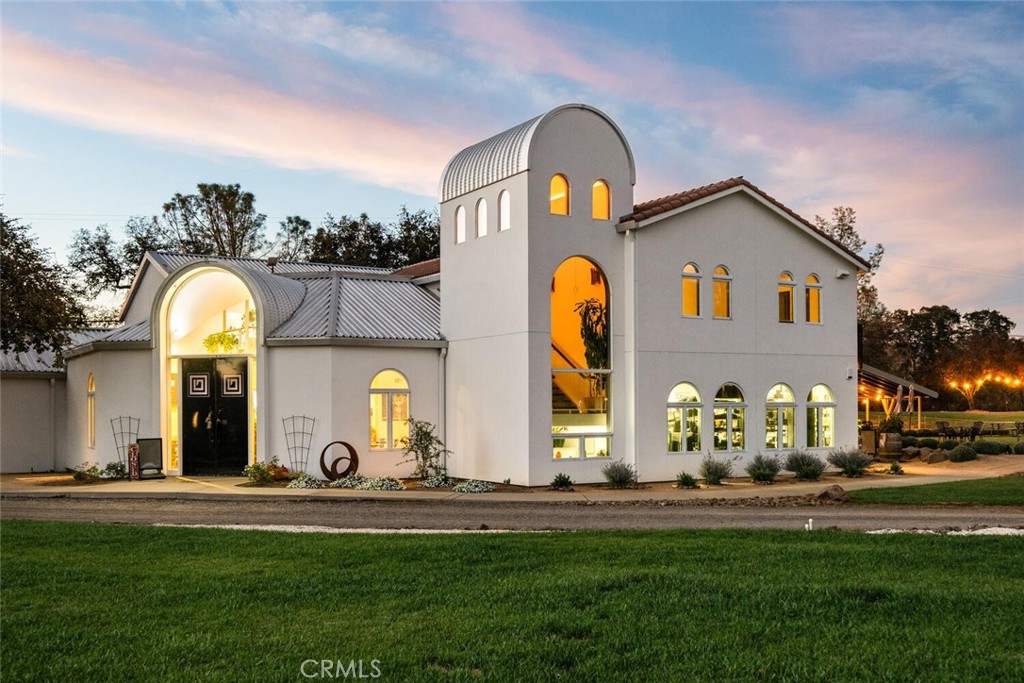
{"x": 294, "y": 239}
{"x": 105, "y": 264}
{"x": 842, "y": 229}
{"x": 418, "y": 236}
{"x": 220, "y": 220}
{"x": 39, "y": 306}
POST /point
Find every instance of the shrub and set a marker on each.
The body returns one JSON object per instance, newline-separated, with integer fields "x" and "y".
{"x": 381, "y": 484}
{"x": 963, "y": 453}
{"x": 473, "y": 486}
{"x": 424, "y": 448}
{"x": 927, "y": 432}
{"x": 438, "y": 481}
{"x": 114, "y": 470}
{"x": 261, "y": 474}
{"x": 686, "y": 481}
{"x": 805, "y": 466}
{"x": 891, "y": 425}
{"x": 909, "y": 440}
{"x": 304, "y": 480}
{"x": 1019, "y": 448}
{"x": 928, "y": 443}
{"x": 851, "y": 462}
{"x": 352, "y": 481}
{"x": 948, "y": 444}
{"x": 895, "y": 467}
{"x": 561, "y": 482}
{"x": 714, "y": 471}
{"x": 763, "y": 469}
{"x": 990, "y": 447}
{"x": 87, "y": 471}
{"x": 620, "y": 474}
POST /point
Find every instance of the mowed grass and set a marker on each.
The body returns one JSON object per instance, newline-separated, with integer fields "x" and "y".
{"x": 995, "y": 491}
{"x": 104, "y": 603}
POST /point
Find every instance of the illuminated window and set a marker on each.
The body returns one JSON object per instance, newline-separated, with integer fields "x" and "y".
{"x": 504, "y": 211}
{"x": 90, "y": 412}
{"x": 821, "y": 417}
{"x": 389, "y": 410}
{"x": 780, "y": 418}
{"x": 812, "y": 298}
{"x": 721, "y": 286}
{"x": 559, "y": 195}
{"x": 460, "y": 225}
{"x": 684, "y": 419}
{"x": 481, "y": 218}
{"x": 691, "y": 291}
{"x": 785, "y": 298}
{"x": 580, "y": 361}
{"x": 730, "y": 419}
{"x": 602, "y": 201}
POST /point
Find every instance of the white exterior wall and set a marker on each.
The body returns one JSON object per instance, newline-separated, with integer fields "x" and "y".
{"x": 753, "y": 349}
{"x": 141, "y": 306}
{"x": 332, "y": 384}
{"x": 124, "y": 386}
{"x": 31, "y": 422}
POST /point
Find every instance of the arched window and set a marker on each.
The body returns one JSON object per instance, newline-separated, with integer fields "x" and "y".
{"x": 821, "y": 417}
{"x": 730, "y": 422}
{"x": 504, "y": 211}
{"x": 786, "y": 297}
{"x": 780, "y": 418}
{"x": 90, "y": 412}
{"x": 559, "y": 195}
{"x": 721, "y": 286}
{"x": 691, "y": 291}
{"x": 602, "y": 209}
{"x": 581, "y": 371}
{"x": 481, "y": 218}
{"x": 460, "y": 225}
{"x": 684, "y": 419}
{"x": 389, "y": 410}
{"x": 812, "y": 298}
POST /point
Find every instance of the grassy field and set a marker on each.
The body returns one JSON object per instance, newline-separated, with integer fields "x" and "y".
{"x": 103, "y": 603}
{"x": 928, "y": 419}
{"x": 995, "y": 491}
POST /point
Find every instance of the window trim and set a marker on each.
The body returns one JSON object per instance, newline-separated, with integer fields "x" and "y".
{"x": 683, "y": 406}
{"x": 818, "y": 407}
{"x": 727, "y": 281}
{"x": 778, "y": 407}
{"x": 729, "y": 406}
{"x": 695, "y": 277}
{"x": 389, "y": 393}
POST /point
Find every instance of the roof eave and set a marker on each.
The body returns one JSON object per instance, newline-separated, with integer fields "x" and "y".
{"x": 358, "y": 341}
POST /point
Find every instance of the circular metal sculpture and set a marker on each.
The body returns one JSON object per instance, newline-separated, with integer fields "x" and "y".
{"x": 332, "y": 471}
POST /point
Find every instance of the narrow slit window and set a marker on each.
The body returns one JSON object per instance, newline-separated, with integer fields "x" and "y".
{"x": 602, "y": 201}
{"x": 481, "y": 218}
{"x": 722, "y": 294}
{"x": 460, "y": 225}
{"x": 559, "y": 195}
{"x": 786, "y": 286}
{"x": 504, "y": 211}
{"x": 812, "y": 299}
{"x": 691, "y": 291}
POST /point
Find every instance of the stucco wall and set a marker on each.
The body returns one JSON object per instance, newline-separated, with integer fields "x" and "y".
{"x": 31, "y": 422}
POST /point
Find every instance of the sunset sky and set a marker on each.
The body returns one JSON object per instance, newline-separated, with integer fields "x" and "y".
{"x": 911, "y": 113}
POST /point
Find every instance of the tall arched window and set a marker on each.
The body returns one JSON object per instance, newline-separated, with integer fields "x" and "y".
{"x": 780, "y": 418}
{"x": 812, "y": 298}
{"x": 581, "y": 371}
{"x": 460, "y": 225}
{"x": 481, "y": 218}
{"x": 504, "y": 211}
{"x": 389, "y": 410}
{"x": 559, "y": 195}
{"x": 721, "y": 291}
{"x": 602, "y": 201}
{"x": 691, "y": 291}
{"x": 90, "y": 412}
{"x": 785, "y": 297}
{"x": 684, "y": 419}
{"x": 730, "y": 419}
{"x": 821, "y": 417}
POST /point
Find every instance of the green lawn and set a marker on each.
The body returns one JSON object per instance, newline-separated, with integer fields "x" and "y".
{"x": 929, "y": 418}
{"x": 995, "y": 491}
{"x": 103, "y": 603}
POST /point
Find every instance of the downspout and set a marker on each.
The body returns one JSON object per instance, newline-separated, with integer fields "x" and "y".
{"x": 634, "y": 432}
{"x": 442, "y": 409}
{"x": 53, "y": 424}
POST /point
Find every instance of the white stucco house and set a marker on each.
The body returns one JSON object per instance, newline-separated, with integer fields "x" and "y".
{"x": 564, "y": 325}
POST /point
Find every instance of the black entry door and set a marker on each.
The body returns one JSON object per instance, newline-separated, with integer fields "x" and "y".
{"x": 215, "y": 415}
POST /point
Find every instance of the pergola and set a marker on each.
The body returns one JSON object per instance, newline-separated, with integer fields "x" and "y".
{"x": 894, "y": 394}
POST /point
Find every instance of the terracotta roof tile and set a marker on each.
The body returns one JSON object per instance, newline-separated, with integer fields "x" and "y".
{"x": 421, "y": 269}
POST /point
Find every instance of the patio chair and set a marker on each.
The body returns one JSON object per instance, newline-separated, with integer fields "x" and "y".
{"x": 975, "y": 430}
{"x": 943, "y": 429}
{"x": 1018, "y": 430}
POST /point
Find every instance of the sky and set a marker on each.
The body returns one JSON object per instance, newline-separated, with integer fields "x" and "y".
{"x": 911, "y": 113}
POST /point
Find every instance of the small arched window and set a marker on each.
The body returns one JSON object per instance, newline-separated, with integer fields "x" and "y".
{"x": 504, "y": 211}
{"x": 460, "y": 225}
{"x": 780, "y": 418}
{"x": 722, "y": 294}
{"x": 786, "y": 297}
{"x": 821, "y": 417}
{"x": 684, "y": 419}
{"x": 389, "y": 410}
{"x": 90, "y": 412}
{"x": 730, "y": 418}
{"x": 691, "y": 291}
{"x": 602, "y": 201}
{"x": 481, "y": 218}
{"x": 812, "y": 298}
{"x": 559, "y": 195}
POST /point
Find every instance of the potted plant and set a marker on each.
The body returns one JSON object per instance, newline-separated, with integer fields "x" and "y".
{"x": 221, "y": 342}
{"x": 891, "y": 440}
{"x": 594, "y": 332}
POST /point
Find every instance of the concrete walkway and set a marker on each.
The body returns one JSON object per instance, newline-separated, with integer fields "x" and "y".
{"x": 228, "y": 488}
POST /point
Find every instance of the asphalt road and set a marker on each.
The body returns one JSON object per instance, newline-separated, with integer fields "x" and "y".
{"x": 475, "y": 514}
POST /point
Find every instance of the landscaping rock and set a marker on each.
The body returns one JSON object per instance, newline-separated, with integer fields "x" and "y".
{"x": 909, "y": 453}
{"x": 938, "y": 456}
{"x": 925, "y": 453}
{"x": 834, "y": 493}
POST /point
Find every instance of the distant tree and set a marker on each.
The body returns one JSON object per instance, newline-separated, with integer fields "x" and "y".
{"x": 842, "y": 228}
{"x": 219, "y": 220}
{"x": 39, "y": 305}
{"x": 294, "y": 239}
{"x": 418, "y": 236}
{"x": 923, "y": 340}
{"x": 105, "y": 264}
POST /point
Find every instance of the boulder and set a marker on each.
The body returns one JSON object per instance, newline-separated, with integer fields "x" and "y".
{"x": 833, "y": 494}
{"x": 909, "y": 453}
{"x": 938, "y": 456}
{"x": 925, "y": 453}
